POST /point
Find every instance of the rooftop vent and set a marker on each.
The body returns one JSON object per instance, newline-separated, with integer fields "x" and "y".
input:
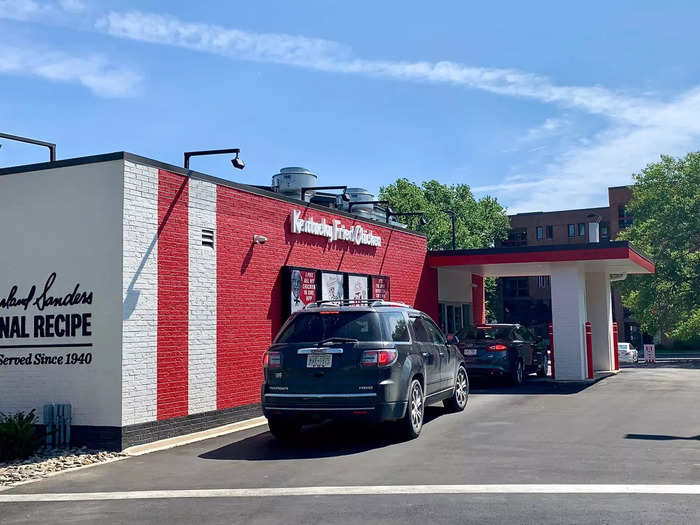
{"x": 290, "y": 181}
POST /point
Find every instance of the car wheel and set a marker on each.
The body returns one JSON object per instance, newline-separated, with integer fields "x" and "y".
{"x": 283, "y": 429}
{"x": 517, "y": 375}
{"x": 459, "y": 398}
{"x": 542, "y": 371}
{"x": 412, "y": 423}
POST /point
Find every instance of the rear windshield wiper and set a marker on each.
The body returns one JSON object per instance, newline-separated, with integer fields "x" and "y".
{"x": 331, "y": 340}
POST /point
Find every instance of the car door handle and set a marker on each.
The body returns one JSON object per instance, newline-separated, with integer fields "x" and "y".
{"x": 426, "y": 355}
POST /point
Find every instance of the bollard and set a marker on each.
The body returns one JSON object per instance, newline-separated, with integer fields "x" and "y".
{"x": 615, "y": 341}
{"x": 589, "y": 349}
{"x": 550, "y": 333}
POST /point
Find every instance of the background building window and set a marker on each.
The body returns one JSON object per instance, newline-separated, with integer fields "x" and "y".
{"x": 516, "y": 237}
{"x": 540, "y": 233}
{"x": 623, "y": 219}
{"x": 582, "y": 229}
{"x": 550, "y": 231}
{"x": 516, "y": 287}
{"x": 572, "y": 230}
{"x": 604, "y": 230}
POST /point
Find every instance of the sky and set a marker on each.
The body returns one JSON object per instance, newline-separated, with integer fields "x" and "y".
{"x": 542, "y": 105}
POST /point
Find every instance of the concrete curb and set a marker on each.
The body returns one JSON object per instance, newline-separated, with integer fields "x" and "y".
{"x": 177, "y": 441}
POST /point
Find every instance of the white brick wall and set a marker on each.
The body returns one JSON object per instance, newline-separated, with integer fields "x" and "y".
{"x": 140, "y": 292}
{"x": 202, "y": 299}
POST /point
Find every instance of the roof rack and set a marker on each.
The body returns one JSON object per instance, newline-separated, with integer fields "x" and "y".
{"x": 355, "y": 302}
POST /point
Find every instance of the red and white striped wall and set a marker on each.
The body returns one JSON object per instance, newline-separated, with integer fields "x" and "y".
{"x": 197, "y": 318}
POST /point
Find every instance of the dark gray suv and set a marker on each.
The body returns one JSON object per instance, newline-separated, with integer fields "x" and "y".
{"x": 375, "y": 361}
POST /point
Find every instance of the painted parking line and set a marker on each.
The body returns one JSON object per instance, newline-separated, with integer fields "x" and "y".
{"x": 369, "y": 490}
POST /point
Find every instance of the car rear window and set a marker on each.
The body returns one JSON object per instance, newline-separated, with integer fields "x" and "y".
{"x": 485, "y": 332}
{"x": 313, "y": 327}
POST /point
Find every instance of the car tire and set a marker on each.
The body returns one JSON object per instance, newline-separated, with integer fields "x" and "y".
{"x": 542, "y": 371}
{"x": 412, "y": 423}
{"x": 517, "y": 375}
{"x": 283, "y": 429}
{"x": 460, "y": 395}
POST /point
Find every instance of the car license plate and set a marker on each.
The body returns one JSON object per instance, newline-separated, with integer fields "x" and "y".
{"x": 470, "y": 351}
{"x": 319, "y": 360}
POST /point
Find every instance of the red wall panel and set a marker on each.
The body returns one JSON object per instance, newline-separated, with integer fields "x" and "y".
{"x": 173, "y": 295}
{"x": 249, "y": 302}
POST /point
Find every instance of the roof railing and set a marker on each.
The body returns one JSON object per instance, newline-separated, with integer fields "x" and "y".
{"x": 355, "y": 302}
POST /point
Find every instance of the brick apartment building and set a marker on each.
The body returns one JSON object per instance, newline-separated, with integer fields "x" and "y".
{"x": 528, "y": 299}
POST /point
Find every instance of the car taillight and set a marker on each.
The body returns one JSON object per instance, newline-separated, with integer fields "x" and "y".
{"x": 272, "y": 359}
{"x": 378, "y": 357}
{"x": 496, "y": 348}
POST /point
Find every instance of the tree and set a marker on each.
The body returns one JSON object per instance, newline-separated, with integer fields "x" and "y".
{"x": 666, "y": 211}
{"x": 478, "y": 223}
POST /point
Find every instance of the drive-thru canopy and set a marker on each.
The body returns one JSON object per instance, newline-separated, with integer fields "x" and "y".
{"x": 580, "y": 285}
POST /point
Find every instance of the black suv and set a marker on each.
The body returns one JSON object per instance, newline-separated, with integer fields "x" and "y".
{"x": 376, "y": 361}
{"x": 509, "y": 350}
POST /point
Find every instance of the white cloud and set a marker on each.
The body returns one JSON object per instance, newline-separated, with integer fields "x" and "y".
{"x": 91, "y": 71}
{"x": 639, "y": 127}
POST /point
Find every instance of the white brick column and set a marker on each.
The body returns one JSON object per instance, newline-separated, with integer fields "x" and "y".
{"x": 599, "y": 312}
{"x": 568, "y": 317}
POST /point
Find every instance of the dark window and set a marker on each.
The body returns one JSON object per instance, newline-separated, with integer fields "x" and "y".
{"x": 581, "y": 229}
{"x": 434, "y": 331}
{"x": 516, "y": 237}
{"x": 450, "y": 319}
{"x": 542, "y": 281}
{"x": 550, "y": 231}
{"x": 313, "y": 327}
{"x": 395, "y": 327}
{"x": 540, "y": 233}
{"x": 420, "y": 331}
{"x": 516, "y": 287}
{"x": 572, "y": 230}
{"x": 623, "y": 219}
{"x": 604, "y": 230}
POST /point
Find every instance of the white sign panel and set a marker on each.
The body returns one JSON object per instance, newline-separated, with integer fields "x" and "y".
{"x": 336, "y": 231}
{"x": 332, "y": 286}
{"x": 357, "y": 286}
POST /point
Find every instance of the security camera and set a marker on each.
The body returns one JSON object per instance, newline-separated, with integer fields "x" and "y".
{"x": 237, "y": 163}
{"x": 259, "y": 239}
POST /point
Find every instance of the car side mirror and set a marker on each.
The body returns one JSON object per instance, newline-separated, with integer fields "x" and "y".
{"x": 452, "y": 339}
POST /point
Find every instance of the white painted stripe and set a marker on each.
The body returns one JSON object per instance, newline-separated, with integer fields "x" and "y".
{"x": 356, "y": 491}
{"x": 140, "y": 294}
{"x": 202, "y": 299}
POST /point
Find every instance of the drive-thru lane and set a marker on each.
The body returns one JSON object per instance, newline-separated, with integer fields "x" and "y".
{"x": 638, "y": 428}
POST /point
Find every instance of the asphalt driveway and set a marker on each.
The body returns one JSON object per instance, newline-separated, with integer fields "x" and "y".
{"x": 639, "y": 428}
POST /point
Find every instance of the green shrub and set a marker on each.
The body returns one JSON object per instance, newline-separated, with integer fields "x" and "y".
{"x": 18, "y": 436}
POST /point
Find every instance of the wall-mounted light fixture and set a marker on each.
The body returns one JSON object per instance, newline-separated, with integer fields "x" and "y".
{"x": 343, "y": 195}
{"x": 259, "y": 239}
{"x": 50, "y": 145}
{"x": 237, "y": 163}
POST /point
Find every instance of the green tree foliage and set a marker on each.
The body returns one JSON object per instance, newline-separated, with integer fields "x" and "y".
{"x": 478, "y": 222}
{"x": 666, "y": 211}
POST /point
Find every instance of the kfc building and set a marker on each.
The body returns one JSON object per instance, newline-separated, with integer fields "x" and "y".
{"x": 144, "y": 294}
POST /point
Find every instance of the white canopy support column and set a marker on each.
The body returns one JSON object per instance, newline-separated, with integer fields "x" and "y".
{"x": 568, "y": 282}
{"x": 599, "y": 312}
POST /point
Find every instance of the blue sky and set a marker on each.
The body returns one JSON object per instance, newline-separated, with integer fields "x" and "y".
{"x": 541, "y": 104}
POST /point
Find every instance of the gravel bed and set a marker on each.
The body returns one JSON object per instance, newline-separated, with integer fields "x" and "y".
{"x": 48, "y": 461}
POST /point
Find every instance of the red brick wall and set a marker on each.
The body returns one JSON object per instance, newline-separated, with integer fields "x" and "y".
{"x": 173, "y": 295}
{"x": 249, "y": 310}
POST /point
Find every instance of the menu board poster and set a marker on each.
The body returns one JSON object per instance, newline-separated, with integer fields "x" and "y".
{"x": 358, "y": 289}
{"x": 332, "y": 286}
{"x": 302, "y": 288}
{"x": 381, "y": 288}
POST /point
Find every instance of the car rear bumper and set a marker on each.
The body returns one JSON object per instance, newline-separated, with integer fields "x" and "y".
{"x": 478, "y": 369}
{"x": 312, "y": 407}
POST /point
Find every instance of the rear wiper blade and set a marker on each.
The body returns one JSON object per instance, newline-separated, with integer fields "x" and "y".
{"x": 337, "y": 340}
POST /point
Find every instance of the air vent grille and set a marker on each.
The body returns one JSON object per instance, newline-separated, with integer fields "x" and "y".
{"x": 207, "y": 238}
